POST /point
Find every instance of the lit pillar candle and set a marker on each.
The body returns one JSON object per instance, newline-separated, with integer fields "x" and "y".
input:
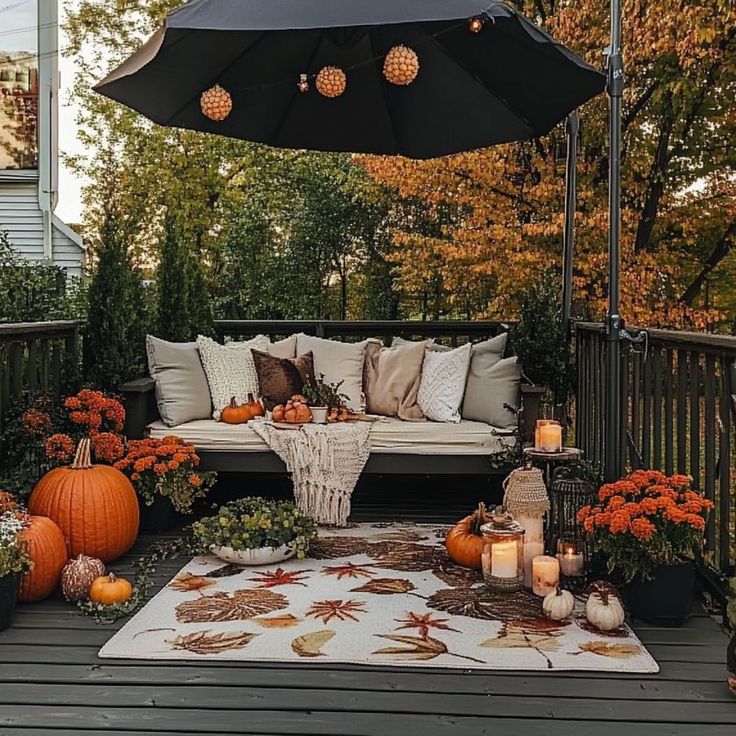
{"x": 545, "y": 575}
{"x": 571, "y": 562}
{"x": 503, "y": 559}
{"x": 550, "y": 438}
{"x": 533, "y": 542}
{"x": 531, "y": 550}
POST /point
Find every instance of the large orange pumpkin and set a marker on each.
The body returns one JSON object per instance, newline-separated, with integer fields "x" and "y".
{"x": 94, "y": 505}
{"x": 46, "y": 546}
{"x": 464, "y": 542}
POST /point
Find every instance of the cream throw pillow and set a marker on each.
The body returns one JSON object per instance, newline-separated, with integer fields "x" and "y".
{"x": 443, "y": 383}
{"x": 391, "y": 380}
{"x": 336, "y": 361}
{"x": 230, "y": 369}
{"x": 285, "y": 348}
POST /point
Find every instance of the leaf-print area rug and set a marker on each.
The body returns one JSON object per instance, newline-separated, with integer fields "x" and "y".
{"x": 373, "y": 594}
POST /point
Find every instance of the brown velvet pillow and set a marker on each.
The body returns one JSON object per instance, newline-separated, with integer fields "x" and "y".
{"x": 281, "y": 378}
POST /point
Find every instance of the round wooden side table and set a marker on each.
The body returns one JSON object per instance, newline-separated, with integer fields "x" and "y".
{"x": 552, "y": 459}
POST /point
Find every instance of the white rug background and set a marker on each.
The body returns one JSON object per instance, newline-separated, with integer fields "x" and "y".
{"x": 519, "y": 640}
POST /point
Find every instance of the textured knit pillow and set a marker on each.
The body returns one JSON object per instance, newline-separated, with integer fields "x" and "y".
{"x": 230, "y": 369}
{"x": 492, "y": 392}
{"x": 182, "y": 392}
{"x": 443, "y": 383}
{"x": 391, "y": 380}
{"x": 281, "y": 378}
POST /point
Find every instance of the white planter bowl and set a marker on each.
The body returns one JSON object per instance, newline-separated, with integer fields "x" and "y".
{"x": 260, "y": 556}
{"x": 319, "y": 414}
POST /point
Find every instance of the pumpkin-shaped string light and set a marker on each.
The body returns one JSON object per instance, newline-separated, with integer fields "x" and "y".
{"x": 401, "y": 65}
{"x": 216, "y": 103}
{"x": 475, "y": 24}
{"x": 303, "y": 83}
{"x": 331, "y": 81}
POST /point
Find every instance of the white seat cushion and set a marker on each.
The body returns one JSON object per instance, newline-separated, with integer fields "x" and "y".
{"x": 388, "y": 435}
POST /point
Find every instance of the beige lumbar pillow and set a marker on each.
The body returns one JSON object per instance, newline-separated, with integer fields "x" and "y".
{"x": 285, "y": 348}
{"x": 337, "y": 361}
{"x": 391, "y": 380}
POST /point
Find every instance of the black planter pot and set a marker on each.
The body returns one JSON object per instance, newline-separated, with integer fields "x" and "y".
{"x": 731, "y": 664}
{"x": 160, "y": 516}
{"x": 665, "y": 600}
{"x": 8, "y": 598}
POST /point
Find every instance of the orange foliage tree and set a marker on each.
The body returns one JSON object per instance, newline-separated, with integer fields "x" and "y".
{"x": 469, "y": 230}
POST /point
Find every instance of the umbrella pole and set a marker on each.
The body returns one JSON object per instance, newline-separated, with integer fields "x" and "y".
{"x": 614, "y": 324}
{"x": 568, "y": 238}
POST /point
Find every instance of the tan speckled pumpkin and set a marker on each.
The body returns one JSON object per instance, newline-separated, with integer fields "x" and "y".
{"x": 78, "y": 575}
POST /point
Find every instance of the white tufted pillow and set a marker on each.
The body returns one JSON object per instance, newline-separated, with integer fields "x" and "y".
{"x": 443, "y": 383}
{"x": 230, "y": 369}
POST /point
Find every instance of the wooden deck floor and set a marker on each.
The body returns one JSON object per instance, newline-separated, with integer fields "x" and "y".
{"x": 51, "y": 682}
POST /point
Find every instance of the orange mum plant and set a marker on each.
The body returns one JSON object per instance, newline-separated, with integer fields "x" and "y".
{"x": 166, "y": 467}
{"x": 646, "y": 520}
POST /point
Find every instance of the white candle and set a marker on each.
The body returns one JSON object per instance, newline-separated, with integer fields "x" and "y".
{"x": 571, "y": 563}
{"x": 503, "y": 560}
{"x": 531, "y": 550}
{"x": 545, "y": 575}
{"x": 550, "y": 438}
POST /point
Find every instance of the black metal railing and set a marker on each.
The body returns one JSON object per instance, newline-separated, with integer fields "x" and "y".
{"x": 452, "y": 332}
{"x": 678, "y": 416}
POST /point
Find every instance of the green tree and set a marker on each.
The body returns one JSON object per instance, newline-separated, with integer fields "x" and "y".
{"x": 116, "y": 324}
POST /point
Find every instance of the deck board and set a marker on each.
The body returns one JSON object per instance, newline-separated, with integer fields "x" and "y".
{"x": 52, "y": 683}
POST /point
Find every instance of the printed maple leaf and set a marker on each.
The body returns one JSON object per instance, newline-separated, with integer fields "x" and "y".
{"x": 616, "y": 650}
{"x": 242, "y": 604}
{"x": 348, "y": 570}
{"x": 280, "y": 577}
{"x": 517, "y": 636}
{"x": 309, "y": 645}
{"x": 423, "y": 622}
{"x": 205, "y": 642}
{"x": 407, "y": 557}
{"x": 185, "y": 582}
{"x": 339, "y": 609}
{"x": 386, "y": 586}
{"x": 417, "y": 648}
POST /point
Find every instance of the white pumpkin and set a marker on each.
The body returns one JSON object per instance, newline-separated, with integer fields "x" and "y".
{"x": 559, "y": 604}
{"x": 604, "y": 610}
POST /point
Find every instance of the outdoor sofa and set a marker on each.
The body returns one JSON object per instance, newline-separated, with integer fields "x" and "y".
{"x": 468, "y": 446}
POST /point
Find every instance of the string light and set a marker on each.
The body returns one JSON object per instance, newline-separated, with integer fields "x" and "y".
{"x": 475, "y": 25}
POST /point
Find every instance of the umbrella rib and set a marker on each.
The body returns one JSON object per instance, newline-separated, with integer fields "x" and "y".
{"x": 383, "y": 94}
{"x": 222, "y": 71}
{"x": 486, "y": 86}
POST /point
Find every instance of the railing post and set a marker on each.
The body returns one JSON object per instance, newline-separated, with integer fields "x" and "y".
{"x": 572, "y": 127}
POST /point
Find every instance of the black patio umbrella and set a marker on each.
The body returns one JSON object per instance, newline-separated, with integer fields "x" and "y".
{"x": 486, "y": 74}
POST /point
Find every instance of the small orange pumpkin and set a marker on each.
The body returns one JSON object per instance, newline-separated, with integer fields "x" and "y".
{"x": 464, "y": 542}
{"x": 95, "y": 506}
{"x": 255, "y": 407}
{"x": 110, "y": 589}
{"x": 235, "y": 413}
{"x": 46, "y": 546}
{"x": 278, "y": 413}
{"x": 303, "y": 413}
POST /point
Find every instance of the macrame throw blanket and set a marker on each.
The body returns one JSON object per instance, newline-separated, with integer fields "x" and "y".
{"x": 325, "y": 462}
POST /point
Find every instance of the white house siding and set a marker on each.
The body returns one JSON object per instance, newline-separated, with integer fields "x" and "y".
{"x": 21, "y": 218}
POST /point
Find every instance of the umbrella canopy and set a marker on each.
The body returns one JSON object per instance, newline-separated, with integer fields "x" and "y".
{"x": 507, "y": 81}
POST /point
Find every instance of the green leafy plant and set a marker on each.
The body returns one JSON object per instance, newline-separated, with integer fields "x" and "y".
{"x": 324, "y": 394}
{"x": 731, "y": 608}
{"x": 254, "y": 523}
{"x": 540, "y": 342}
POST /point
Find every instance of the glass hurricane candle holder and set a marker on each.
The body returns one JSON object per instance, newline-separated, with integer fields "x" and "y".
{"x": 503, "y": 553}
